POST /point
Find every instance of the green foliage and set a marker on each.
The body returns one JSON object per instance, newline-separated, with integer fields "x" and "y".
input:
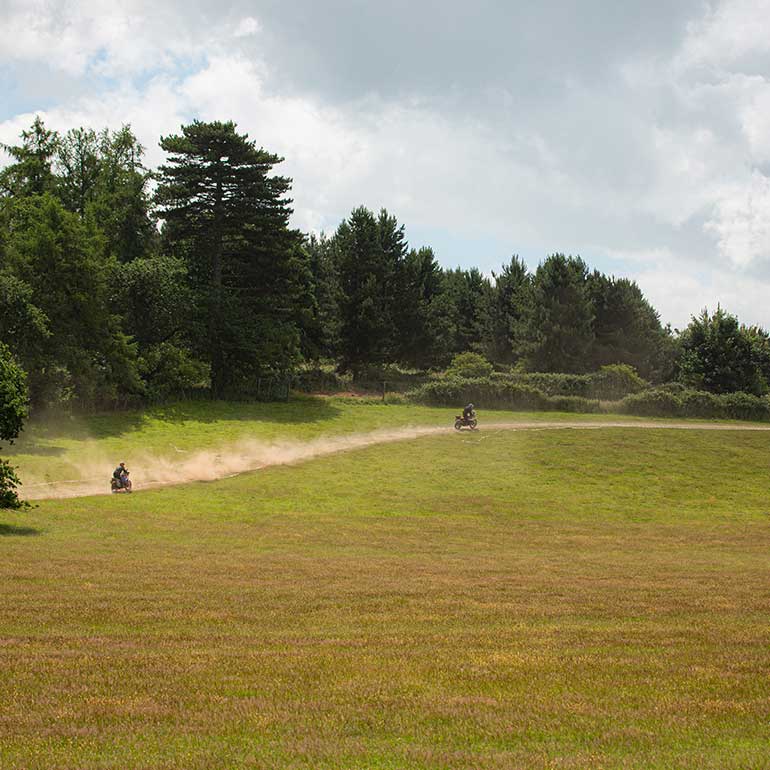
{"x": 171, "y": 371}
{"x": 484, "y": 393}
{"x": 652, "y": 403}
{"x": 489, "y": 393}
{"x": 20, "y": 319}
{"x": 9, "y": 487}
{"x": 369, "y": 252}
{"x": 745, "y": 406}
{"x": 61, "y": 278}
{"x": 560, "y": 324}
{"x": 627, "y": 328}
{"x": 321, "y": 332}
{"x": 101, "y": 177}
{"x": 13, "y": 396}
{"x": 155, "y": 299}
{"x": 227, "y": 217}
{"x": 469, "y": 365}
{"x": 508, "y": 304}
{"x": 721, "y": 356}
{"x": 32, "y": 173}
{"x": 421, "y": 320}
{"x": 698, "y": 403}
{"x": 553, "y": 383}
{"x": 615, "y": 381}
{"x": 672, "y": 402}
{"x": 13, "y": 413}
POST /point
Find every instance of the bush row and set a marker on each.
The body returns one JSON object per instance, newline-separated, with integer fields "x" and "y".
{"x": 492, "y": 393}
{"x": 610, "y": 383}
{"x": 489, "y": 393}
{"x": 677, "y": 402}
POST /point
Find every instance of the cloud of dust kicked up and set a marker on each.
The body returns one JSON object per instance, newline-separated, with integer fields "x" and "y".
{"x": 151, "y": 470}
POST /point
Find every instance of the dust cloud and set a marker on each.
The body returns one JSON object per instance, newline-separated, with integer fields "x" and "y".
{"x": 150, "y": 470}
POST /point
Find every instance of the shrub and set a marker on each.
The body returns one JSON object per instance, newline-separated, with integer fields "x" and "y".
{"x": 698, "y": 403}
{"x": 616, "y": 381}
{"x": 485, "y": 393}
{"x": 574, "y": 404}
{"x": 677, "y": 388}
{"x": 469, "y": 366}
{"x": 652, "y": 403}
{"x": 555, "y": 384}
{"x": 744, "y": 406}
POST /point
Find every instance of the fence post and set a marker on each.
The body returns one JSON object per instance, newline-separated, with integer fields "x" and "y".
{"x": 384, "y": 384}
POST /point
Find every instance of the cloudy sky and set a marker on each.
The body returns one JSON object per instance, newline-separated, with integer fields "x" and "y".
{"x": 635, "y": 133}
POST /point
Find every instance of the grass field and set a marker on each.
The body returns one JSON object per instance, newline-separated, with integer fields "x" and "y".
{"x": 540, "y": 599}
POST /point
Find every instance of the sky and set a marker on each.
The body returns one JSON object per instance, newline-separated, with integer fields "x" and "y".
{"x": 635, "y": 134}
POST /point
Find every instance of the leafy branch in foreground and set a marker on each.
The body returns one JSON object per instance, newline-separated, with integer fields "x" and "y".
{"x": 13, "y": 412}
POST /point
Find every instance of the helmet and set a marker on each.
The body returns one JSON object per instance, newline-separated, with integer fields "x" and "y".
{"x": 470, "y": 406}
{"x": 122, "y": 465}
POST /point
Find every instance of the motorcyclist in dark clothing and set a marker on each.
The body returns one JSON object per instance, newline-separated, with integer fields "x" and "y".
{"x": 120, "y": 474}
{"x": 469, "y": 412}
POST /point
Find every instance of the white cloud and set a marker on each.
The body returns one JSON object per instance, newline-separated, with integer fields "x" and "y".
{"x": 728, "y": 33}
{"x": 741, "y": 221}
{"x": 247, "y": 27}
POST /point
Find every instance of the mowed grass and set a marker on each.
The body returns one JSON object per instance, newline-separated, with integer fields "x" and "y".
{"x": 543, "y": 599}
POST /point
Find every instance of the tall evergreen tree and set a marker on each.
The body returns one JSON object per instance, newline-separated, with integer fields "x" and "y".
{"x": 322, "y": 334}
{"x": 419, "y": 288}
{"x": 560, "y": 322}
{"x": 227, "y": 216}
{"x": 627, "y": 328}
{"x": 368, "y": 253}
{"x": 32, "y": 172}
{"x": 465, "y": 292}
{"x": 507, "y": 304}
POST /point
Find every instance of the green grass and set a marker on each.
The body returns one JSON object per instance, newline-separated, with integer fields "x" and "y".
{"x": 559, "y": 599}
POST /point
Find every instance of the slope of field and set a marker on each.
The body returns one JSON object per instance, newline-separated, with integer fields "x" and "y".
{"x": 204, "y": 441}
{"x": 554, "y": 599}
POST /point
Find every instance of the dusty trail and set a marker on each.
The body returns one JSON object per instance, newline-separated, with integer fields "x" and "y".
{"x": 150, "y": 470}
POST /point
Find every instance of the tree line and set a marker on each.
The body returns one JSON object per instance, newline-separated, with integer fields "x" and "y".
{"x": 119, "y": 283}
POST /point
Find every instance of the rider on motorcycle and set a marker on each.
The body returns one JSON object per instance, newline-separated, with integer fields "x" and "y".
{"x": 120, "y": 474}
{"x": 468, "y": 412}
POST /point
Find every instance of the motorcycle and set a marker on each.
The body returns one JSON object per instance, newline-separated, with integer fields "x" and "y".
{"x": 466, "y": 422}
{"x": 120, "y": 485}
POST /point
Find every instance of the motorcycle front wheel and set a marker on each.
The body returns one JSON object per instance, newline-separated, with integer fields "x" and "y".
{"x": 473, "y": 424}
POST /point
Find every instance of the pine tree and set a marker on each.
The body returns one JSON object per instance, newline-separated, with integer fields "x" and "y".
{"x": 559, "y": 327}
{"x": 227, "y": 216}
{"x": 368, "y": 254}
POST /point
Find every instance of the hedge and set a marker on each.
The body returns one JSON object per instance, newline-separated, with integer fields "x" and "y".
{"x": 676, "y": 402}
{"x": 609, "y": 383}
{"x": 491, "y": 394}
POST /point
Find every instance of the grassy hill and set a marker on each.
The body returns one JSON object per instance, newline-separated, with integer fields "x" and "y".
{"x": 539, "y": 599}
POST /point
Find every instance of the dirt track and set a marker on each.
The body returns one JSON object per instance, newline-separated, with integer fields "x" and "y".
{"x": 151, "y": 471}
